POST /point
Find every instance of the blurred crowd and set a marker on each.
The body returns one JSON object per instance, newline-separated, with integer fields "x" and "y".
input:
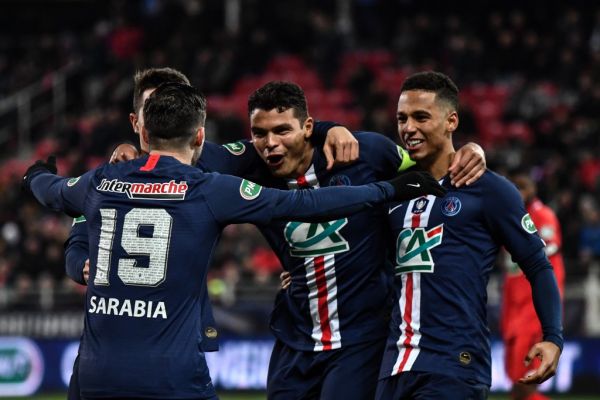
{"x": 530, "y": 80}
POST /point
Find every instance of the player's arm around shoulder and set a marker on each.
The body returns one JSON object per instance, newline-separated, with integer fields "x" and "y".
{"x": 468, "y": 165}
{"x": 236, "y": 158}
{"x": 234, "y": 200}
{"x": 383, "y": 155}
{"x": 341, "y": 147}
{"x": 241, "y": 200}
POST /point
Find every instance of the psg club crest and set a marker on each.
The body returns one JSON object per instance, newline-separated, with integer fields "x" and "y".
{"x": 420, "y": 205}
{"x": 451, "y": 206}
{"x": 339, "y": 180}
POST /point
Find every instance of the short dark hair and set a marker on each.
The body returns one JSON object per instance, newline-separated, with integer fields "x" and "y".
{"x": 151, "y": 78}
{"x": 436, "y": 82}
{"x": 173, "y": 113}
{"x": 281, "y": 96}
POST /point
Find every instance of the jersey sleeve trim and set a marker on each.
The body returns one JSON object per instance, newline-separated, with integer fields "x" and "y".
{"x": 406, "y": 161}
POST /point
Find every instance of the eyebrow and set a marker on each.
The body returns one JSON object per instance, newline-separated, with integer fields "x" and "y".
{"x": 416, "y": 113}
{"x": 276, "y": 129}
{"x": 257, "y": 131}
{"x": 281, "y": 127}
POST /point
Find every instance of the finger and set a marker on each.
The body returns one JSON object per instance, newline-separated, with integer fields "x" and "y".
{"x": 113, "y": 157}
{"x": 539, "y": 375}
{"x": 533, "y": 376}
{"x": 354, "y": 151}
{"x": 547, "y": 372}
{"x": 51, "y": 160}
{"x": 475, "y": 177}
{"x": 328, "y": 156}
{"x": 465, "y": 173}
{"x": 531, "y": 354}
{"x": 125, "y": 157}
{"x": 86, "y": 271}
{"x": 121, "y": 156}
{"x": 346, "y": 150}
{"x": 454, "y": 162}
{"x": 529, "y": 379}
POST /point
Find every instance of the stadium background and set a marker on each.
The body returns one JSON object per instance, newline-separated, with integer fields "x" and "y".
{"x": 530, "y": 79}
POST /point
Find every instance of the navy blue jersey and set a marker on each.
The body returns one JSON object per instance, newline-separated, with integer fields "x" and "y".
{"x": 153, "y": 223}
{"x": 76, "y": 250}
{"x": 339, "y": 288}
{"x": 445, "y": 250}
{"x": 239, "y": 159}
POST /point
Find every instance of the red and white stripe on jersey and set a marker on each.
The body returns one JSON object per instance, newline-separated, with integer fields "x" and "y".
{"x": 322, "y": 298}
{"x": 322, "y": 285}
{"x": 309, "y": 179}
{"x": 410, "y": 298}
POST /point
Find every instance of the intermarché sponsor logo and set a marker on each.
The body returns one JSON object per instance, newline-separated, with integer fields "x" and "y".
{"x": 146, "y": 190}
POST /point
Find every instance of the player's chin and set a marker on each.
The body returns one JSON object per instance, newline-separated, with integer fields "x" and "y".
{"x": 279, "y": 171}
{"x": 417, "y": 154}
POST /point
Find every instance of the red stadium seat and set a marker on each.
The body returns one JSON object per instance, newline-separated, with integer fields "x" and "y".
{"x": 286, "y": 62}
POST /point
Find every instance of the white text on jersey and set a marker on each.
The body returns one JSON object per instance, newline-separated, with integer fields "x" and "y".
{"x": 126, "y": 307}
{"x": 148, "y": 191}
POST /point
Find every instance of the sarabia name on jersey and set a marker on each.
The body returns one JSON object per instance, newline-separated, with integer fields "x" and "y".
{"x": 127, "y": 307}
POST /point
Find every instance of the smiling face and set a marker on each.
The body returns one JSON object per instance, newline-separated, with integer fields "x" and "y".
{"x": 282, "y": 141}
{"x": 425, "y": 126}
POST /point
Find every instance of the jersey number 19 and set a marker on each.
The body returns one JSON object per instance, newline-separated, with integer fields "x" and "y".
{"x": 156, "y": 248}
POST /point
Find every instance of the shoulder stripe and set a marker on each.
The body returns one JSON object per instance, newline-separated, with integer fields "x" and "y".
{"x": 151, "y": 163}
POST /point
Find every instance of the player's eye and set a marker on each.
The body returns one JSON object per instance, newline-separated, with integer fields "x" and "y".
{"x": 282, "y": 131}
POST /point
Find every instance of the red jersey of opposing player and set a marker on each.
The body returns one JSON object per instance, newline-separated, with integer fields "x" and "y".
{"x": 519, "y": 323}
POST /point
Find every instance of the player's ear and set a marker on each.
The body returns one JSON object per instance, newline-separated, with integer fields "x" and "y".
{"x": 134, "y": 119}
{"x": 452, "y": 121}
{"x": 145, "y": 137}
{"x": 199, "y": 140}
{"x": 308, "y": 127}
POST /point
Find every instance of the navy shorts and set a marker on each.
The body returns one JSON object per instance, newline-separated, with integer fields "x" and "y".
{"x": 429, "y": 386}
{"x": 341, "y": 374}
{"x": 73, "y": 393}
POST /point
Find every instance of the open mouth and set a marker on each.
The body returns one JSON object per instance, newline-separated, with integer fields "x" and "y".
{"x": 274, "y": 160}
{"x": 413, "y": 144}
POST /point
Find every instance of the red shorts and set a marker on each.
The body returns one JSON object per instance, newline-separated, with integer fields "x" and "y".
{"x": 515, "y": 350}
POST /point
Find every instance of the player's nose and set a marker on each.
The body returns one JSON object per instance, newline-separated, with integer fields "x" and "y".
{"x": 410, "y": 126}
{"x": 271, "y": 140}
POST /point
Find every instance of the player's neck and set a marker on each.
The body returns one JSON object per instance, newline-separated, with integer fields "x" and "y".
{"x": 438, "y": 166}
{"x": 181, "y": 156}
{"x": 305, "y": 163}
